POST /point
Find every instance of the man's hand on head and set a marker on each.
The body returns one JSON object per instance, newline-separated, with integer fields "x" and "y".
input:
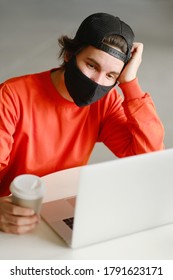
{"x": 129, "y": 72}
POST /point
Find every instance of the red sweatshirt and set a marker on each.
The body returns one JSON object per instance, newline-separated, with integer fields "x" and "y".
{"x": 41, "y": 132}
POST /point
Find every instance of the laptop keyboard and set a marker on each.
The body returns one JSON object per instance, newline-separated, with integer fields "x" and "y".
{"x": 69, "y": 222}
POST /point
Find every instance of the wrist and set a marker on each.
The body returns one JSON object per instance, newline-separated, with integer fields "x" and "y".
{"x": 131, "y": 89}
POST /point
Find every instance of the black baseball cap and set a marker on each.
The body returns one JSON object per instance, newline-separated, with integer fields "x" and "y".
{"x": 96, "y": 26}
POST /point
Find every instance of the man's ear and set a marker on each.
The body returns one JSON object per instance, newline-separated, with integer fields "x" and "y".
{"x": 67, "y": 56}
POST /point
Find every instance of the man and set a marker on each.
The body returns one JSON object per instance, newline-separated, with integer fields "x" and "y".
{"x": 51, "y": 121}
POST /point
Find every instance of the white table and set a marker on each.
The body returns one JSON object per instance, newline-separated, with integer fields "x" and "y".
{"x": 44, "y": 243}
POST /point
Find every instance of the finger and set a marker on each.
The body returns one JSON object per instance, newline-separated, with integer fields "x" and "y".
{"x": 19, "y": 220}
{"x": 5, "y": 198}
{"x": 137, "y": 48}
{"x": 8, "y": 207}
{"x": 18, "y": 225}
{"x": 8, "y": 228}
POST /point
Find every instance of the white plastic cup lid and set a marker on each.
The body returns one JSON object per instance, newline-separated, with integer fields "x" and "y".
{"x": 27, "y": 186}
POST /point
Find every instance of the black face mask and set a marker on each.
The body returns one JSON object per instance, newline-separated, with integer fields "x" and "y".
{"x": 83, "y": 90}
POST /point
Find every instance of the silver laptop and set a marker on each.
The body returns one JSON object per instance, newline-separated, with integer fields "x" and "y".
{"x": 114, "y": 199}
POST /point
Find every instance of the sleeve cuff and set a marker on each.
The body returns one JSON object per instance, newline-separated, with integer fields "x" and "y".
{"x": 132, "y": 90}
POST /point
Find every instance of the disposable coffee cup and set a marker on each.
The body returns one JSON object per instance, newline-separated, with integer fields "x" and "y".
{"x": 28, "y": 191}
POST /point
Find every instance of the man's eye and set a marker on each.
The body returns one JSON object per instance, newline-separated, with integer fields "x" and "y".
{"x": 91, "y": 66}
{"x": 111, "y": 77}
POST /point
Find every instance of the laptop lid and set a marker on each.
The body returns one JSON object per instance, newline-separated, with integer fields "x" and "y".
{"x": 123, "y": 196}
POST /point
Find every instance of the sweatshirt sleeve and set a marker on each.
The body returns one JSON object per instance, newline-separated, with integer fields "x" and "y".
{"x": 8, "y": 121}
{"x": 134, "y": 127}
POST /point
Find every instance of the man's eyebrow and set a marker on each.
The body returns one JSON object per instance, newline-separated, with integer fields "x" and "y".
{"x": 94, "y": 61}
{"x": 98, "y": 64}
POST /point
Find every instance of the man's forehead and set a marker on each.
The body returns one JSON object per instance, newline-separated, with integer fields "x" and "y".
{"x": 102, "y": 59}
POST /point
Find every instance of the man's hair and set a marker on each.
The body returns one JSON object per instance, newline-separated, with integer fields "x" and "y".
{"x": 70, "y": 47}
